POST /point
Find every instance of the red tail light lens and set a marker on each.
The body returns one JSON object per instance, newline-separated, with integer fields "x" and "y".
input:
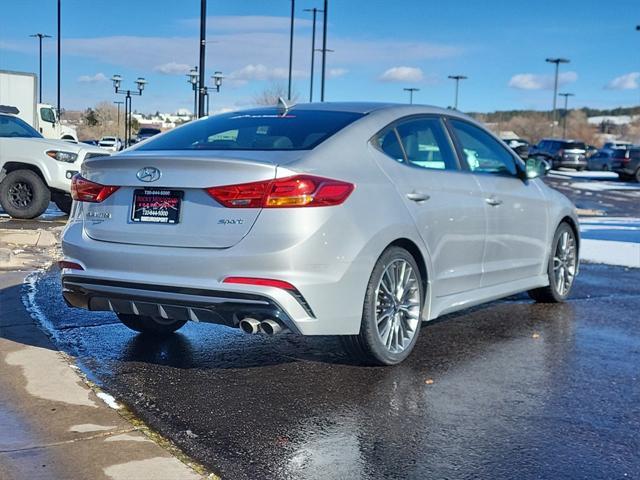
{"x": 83, "y": 190}
{"x": 70, "y": 265}
{"x": 297, "y": 191}
{"x": 263, "y": 282}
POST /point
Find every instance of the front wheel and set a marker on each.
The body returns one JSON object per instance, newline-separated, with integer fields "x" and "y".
{"x": 391, "y": 312}
{"x": 561, "y": 269}
{"x": 23, "y": 194}
{"x": 150, "y": 325}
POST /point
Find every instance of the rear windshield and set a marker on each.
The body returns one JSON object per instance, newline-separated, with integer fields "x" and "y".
{"x": 572, "y": 145}
{"x": 264, "y": 129}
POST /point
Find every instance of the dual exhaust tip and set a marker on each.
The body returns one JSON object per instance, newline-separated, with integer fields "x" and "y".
{"x": 268, "y": 327}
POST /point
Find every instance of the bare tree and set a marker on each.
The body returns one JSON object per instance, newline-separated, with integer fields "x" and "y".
{"x": 271, "y": 94}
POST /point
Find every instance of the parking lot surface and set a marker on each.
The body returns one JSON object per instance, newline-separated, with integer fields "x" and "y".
{"x": 512, "y": 389}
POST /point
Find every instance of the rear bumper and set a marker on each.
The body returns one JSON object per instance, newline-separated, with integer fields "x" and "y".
{"x": 189, "y": 304}
{"x": 572, "y": 163}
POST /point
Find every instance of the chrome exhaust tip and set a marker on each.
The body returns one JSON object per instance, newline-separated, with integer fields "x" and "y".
{"x": 271, "y": 327}
{"x": 250, "y": 325}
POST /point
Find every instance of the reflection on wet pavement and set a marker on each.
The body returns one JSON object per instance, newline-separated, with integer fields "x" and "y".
{"x": 509, "y": 390}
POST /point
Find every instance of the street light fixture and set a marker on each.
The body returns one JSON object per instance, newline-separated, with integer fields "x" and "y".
{"x": 217, "y": 83}
{"x": 411, "y": 90}
{"x": 457, "y": 78}
{"x": 140, "y": 84}
{"x": 40, "y": 36}
{"x": 564, "y": 119}
{"x": 193, "y": 78}
{"x": 557, "y": 62}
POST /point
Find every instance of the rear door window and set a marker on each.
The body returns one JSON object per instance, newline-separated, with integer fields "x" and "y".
{"x": 426, "y": 144}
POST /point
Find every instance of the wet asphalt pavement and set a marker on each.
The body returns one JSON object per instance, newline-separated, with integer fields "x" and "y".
{"x": 512, "y": 389}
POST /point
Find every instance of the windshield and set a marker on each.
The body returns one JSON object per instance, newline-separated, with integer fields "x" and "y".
{"x": 13, "y": 127}
{"x": 263, "y": 129}
{"x": 574, "y": 145}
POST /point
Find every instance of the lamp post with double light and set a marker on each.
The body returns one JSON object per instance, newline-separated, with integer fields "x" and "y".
{"x": 140, "y": 84}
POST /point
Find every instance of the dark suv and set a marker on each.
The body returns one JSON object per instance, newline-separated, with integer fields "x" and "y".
{"x": 629, "y": 166}
{"x": 562, "y": 153}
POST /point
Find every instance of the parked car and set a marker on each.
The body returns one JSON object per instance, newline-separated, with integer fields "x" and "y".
{"x": 607, "y": 159}
{"x": 353, "y": 219}
{"x": 90, "y": 142}
{"x": 562, "y": 153}
{"x": 35, "y": 170}
{"x": 146, "y": 132}
{"x": 617, "y": 144}
{"x": 113, "y": 144}
{"x": 629, "y": 166}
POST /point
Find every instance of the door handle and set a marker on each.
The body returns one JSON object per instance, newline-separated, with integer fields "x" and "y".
{"x": 493, "y": 201}
{"x": 418, "y": 196}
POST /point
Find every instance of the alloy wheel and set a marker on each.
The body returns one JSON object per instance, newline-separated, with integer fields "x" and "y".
{"x": 564, "y": 263}
{"x": 20, "y": 194}
{"x": 397, "y": 306}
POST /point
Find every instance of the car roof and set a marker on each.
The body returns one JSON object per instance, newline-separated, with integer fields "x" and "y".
{"x": 360, "y": 107}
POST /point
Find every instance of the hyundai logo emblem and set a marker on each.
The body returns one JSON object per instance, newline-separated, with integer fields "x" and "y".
{"x": 148, "y": 174}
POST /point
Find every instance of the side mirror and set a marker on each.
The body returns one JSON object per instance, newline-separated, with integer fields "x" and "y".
{"x": 522, "y": 151}
{"x": 536, "y": 167}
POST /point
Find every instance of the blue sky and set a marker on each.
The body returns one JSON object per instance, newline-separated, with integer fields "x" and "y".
{"x": 380, "y": 48}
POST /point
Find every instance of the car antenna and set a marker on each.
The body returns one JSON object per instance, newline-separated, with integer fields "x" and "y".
{"x": 283, "y": 107}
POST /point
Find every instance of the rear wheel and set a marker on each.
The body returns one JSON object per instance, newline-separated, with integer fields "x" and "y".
{"x": 391, "y": 312}
{"x": 151, "y": 325}
{"x": 562, "y": 267}
{"x": 23, "y": 194}
{"x": 637, "y": 176}
{"x": 63, "y": 201}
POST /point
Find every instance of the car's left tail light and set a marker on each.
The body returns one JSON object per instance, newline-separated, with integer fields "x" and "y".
{"x": 83, "y": 190}
{"x": 296, "y": 191}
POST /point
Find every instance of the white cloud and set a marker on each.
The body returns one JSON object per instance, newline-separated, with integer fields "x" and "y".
{"x": 97, "y": 78}
{"x": 402, "y": 74}
{"x": 261, "y": 72}
{"x": 172, "y": 68}
{"x": 337, "y": 72}
{"x": 531, "y": 81}
{"x": 629, "y": 81}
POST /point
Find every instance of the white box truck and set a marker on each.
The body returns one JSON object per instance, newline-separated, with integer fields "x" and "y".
{"x": 20, "y": 90}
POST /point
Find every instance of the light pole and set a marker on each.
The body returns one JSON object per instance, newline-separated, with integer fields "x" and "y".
{"x": 293, "y": 10}
{"x": 192, "y": 78}
{"x": 457, "y": 78}
{"x": 564, "y": 120}
{"x": 313, "y": 48}
{"x": 557, "y": 62}
{"x": 140, "y": 83}
{"x": 325, "y": 13}
{"x": 217, "y": 83}
{"x": 411, "y": 90}
{"x": 40, "y": 36}
{"x": 59, "y": 49}
{"x": 118, "y": 103}
{"x": 203, "y": 42}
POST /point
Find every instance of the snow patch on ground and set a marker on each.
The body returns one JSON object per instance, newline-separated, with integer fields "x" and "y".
{"x": 604, "y": 186}
{"x": 625, "y": 254}
{"x": 109, "y": 400}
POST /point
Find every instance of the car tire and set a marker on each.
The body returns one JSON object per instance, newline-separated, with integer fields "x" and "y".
{"x": 562, "y": 267}
{"x": 150, "y": 325}
{"x": 23, "y": 194}
{"x": 388, "y": 337}
{"x": 637, "y": 176}
{"x": 63, "y": 201}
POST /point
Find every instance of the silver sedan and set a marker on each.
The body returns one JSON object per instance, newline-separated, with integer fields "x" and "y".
{"x": 360, "y": 220}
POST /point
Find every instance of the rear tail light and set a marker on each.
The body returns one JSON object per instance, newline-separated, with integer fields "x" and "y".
{"x": 296, "y": 191}
{"x": 83, "y": 190}
{"x": 263, "y": 282}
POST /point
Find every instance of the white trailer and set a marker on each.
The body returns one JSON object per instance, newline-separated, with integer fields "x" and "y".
{"x": 19, "y": 89}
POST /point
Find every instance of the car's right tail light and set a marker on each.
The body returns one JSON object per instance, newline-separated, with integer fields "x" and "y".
{"x": 83, "y": 190}
{"x": 296, "y": 191}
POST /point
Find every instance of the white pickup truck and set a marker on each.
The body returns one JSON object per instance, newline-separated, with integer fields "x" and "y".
{"x": 35, "y": 170}
{"x": 19, "y": 89}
